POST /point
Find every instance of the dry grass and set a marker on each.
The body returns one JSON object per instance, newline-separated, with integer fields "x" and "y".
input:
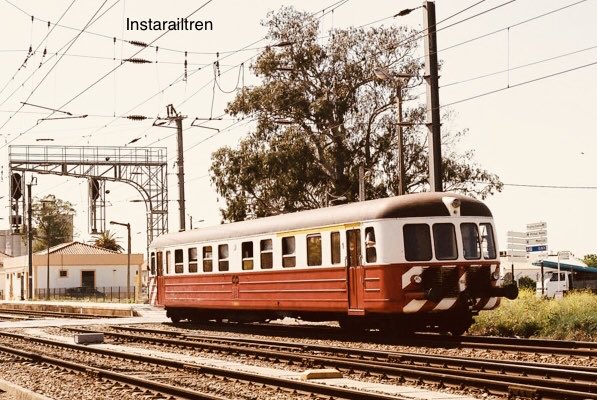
{"x": 572, "y": 318}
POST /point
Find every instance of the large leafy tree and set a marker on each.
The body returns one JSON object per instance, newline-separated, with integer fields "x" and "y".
{"x": 107, "y": 240}
{"x": 321, "y": 113}
{"x": 53, "y": 219}
{"x": 590, "y": 260}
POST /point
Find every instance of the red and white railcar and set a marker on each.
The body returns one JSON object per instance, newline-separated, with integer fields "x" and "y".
{"x": 419, "y": 261}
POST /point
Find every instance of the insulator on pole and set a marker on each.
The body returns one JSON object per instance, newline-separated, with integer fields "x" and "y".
{"x": 137, "y": 60}
{"x": 138, "y": 43}
{"x": 136, "y": 117}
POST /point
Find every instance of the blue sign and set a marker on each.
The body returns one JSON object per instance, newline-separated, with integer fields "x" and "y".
{"x": 532, "y": 249}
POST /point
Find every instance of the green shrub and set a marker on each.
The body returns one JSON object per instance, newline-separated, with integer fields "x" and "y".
{"x": 527, "y": 283}
{"x": 574, "y": 317}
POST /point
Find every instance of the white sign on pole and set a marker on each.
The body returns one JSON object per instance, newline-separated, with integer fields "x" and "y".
{"x": 539, "y": 240}
{"x": 541, "y": 233}
{"x": 536, "y": 226}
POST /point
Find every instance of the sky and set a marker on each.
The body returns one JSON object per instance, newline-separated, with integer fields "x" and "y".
{"x": 519, "y": 75}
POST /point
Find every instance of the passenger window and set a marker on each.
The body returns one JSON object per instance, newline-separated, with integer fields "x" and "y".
{"x": 247, "y": 253}
{"x": 370, "y": 251}
{"x": 470, "y": 241}
{"x": 192, "y": 259}
{"x": 223, "y": 257}
{"x": 288, "y": 252}
{"x": 159, "y": 262}
{"x": 314, "y": 250}
{"x": 178, "y": 261}
{"x": 168, "y": 262}
{"x": 487, "y": 242}
{"x": 444, "y": 241}
{"x": 266, "y": 254}
{"x": 207, "y": 259}
{"x": 417, "y": 242}
{"x": 335, "y": 242}
{"x": 152, "y": 263}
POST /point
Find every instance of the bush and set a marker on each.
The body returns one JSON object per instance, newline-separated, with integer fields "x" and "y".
{"x": 527, "y": 283}
{"x": 574, "y": 317}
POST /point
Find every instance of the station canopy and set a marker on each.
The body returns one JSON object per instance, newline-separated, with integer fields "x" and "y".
{"x": 572, "y": 264}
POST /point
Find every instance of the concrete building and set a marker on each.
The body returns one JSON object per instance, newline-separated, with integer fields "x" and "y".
{"x": 13, "y": 244}
{"x": 70, "y": 265}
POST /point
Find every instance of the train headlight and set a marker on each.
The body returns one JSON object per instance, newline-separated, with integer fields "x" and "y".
{"x": 496, "y": 275}
{"x": 417, "y": 279}
{"x": 456, "y": 203}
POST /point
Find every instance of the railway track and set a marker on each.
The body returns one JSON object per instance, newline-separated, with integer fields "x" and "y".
{"x": 7, "y": 313}
{"x": 518, "y": 345}
{"x": 512, "y": 378}
{"x": 185, "y": 372}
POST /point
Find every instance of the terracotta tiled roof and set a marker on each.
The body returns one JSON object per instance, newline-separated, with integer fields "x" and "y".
{"x": 76, "y": 248}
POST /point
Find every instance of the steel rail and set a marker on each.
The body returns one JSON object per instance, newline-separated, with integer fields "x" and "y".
{"x": 54, "y": 314}
{"x": 415, "y": 367}
{"x": 290, "y": 384}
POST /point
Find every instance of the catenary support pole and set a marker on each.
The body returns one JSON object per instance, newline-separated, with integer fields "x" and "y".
{"x": 29, "y": 243}
{"x": 433, "y": 115}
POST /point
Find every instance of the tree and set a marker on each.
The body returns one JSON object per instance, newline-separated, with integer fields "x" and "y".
{"x": 321, "y": 113}
{"x": 590, "y": 260}
{"x": 106, "y": 240}
{"x": 53, "y": 219}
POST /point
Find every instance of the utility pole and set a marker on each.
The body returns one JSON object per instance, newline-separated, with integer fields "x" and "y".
{"x": 361, "y": 183}
{"x": 402, "y": 182}
{"x": 29, "y": 241}
{"x": 173, "y": 115}
{"x": 433, "y": 116}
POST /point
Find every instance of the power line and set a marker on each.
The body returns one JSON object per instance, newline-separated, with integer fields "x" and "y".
{"x": 549, "y": 186}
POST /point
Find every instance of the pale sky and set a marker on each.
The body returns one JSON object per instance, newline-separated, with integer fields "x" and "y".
{"x": 537, "y": 133}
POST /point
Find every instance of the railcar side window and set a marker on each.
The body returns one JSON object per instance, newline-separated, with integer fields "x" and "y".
{"x": 223, "y": 257}
{"x": 159, "y": 263}
{"x": 444, "y": 241}
{"x": 178, "y": 261}
{"x": 314, "y": 250}
{"x": 247, "y": 253}
{"x": 192, "y": 259}
{"x": 288, "y": 252}
{"x": 487, "y": 242}
{"x": 470, "y": 241}
{"x": 168, "y": 262}
{"x": 266, "y": 254}
{"x": 417, "y": 242}
{"x": 335, "y": 241}
{"x": 152, "y": 263}
{"x": 207, "y": 259}
{"x": 370, "y": 251}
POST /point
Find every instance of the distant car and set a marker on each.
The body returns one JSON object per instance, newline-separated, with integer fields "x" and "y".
{"x": 84, "y": 291}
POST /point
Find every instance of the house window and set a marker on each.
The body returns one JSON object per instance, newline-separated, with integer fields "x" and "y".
{"x": 314, "y": 250}
{"x": 193, "y": 259}
{"x": 247, "y": 254}
{"x": 370, "y": 250}
{"x": 178, "y": 261}
{"x": 168, "y": 262}
{"x": 207, "y": 259}
{"x": 223, "y": 257}
{"x": 417, "y": 242}
{"x": 288, "y": 252}
{"x": 335, "y": 241}
{"x": 266, "y": 254}
{"x": 63, "y": 273}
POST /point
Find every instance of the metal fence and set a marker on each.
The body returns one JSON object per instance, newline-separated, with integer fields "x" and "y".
{"x": 108, "y": 294}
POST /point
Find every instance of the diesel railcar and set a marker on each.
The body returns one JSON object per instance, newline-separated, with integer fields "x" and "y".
{"x": 426, "y": 261}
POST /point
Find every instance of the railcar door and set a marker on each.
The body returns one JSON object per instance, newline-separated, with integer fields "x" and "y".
{"x": 160, "y": 278}
{"x": 354, "y": 271}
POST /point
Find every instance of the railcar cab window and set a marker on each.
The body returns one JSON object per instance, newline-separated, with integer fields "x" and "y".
{"x": 168, "y": 253}
{"x": 178, "y": 261}
{"x": 470, "y": 241}
{"x": 207, "y": 259}
{"x": 370, "y": 251}
{"x": 159, "y": 262}
{"x": 152, "y": 263}
{"x": 335, "y": 242}
{"x": 223, "y": 257}
{"x": 444, "y": 241}
{"x": 417, "y": 242}
{"x": 247, "y": 253}
{"x": 314, "y": 250}
{"x": 288, "y": 252}
{"x": 192, "y": 259}
{"x": 266, "y": 254}
{"x": 487, "y": 242}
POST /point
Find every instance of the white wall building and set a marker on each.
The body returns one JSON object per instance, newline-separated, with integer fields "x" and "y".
{"x": 70, "y": 265}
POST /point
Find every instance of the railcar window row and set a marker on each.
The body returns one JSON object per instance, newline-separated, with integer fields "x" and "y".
{"x": 476, "y": 244}
{"x": 314, "y": 251}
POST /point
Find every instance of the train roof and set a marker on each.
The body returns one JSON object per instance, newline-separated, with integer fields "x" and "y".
{"x": 428, "y": 204}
